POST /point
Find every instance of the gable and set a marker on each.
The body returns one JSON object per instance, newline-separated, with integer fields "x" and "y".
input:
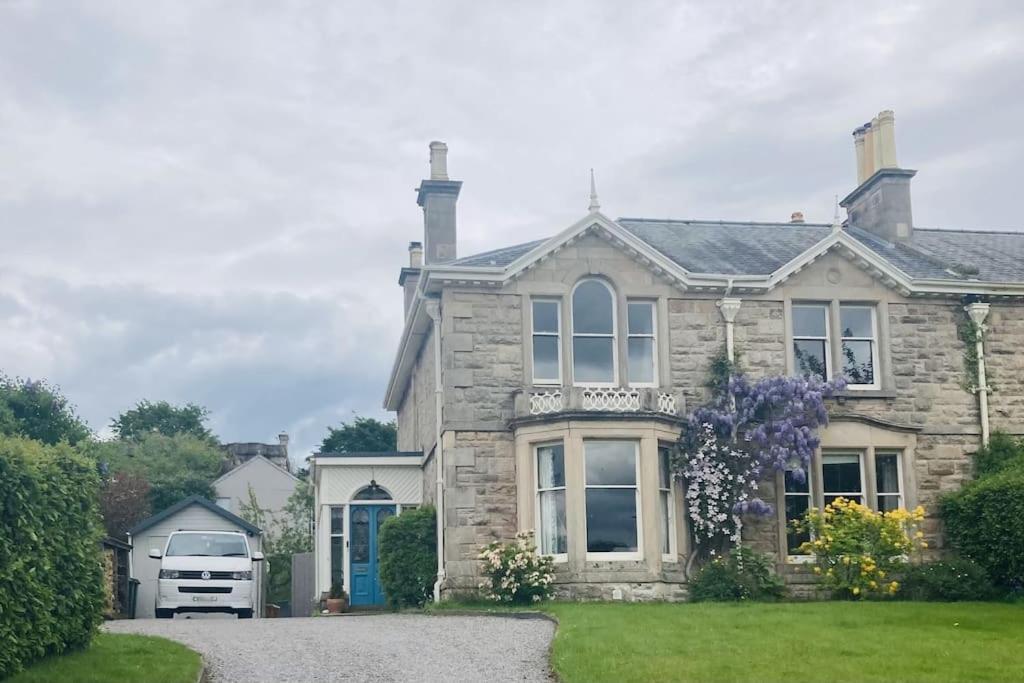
{"x": 835, "y": 272}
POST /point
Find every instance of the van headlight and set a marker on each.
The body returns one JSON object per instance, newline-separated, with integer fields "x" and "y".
{"x": 242, "y": 576}
{"x": 169, "y": 573}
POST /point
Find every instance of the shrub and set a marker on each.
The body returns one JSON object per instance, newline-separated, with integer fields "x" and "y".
{"x": 857, "y": 550}
{"x": 947, "y": 581}
{"x": 985, "y": 523}
{"x": 51, "y": 567}
{"x": 1002, "y": 452}
{"x": 742, "y": 575}
{"x": 408, "y": 557}
{"x": 515, "y": 572}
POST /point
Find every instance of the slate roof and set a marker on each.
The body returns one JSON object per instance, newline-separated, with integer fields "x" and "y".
{"x": 750, "y": 248}
{"x": 194, "y": 500}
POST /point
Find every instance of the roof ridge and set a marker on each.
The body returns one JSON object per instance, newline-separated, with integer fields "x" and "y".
{"x": 698, "y": 221}
{"x": 969, "y": 231}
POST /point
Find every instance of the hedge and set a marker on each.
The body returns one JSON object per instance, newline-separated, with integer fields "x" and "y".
{"x": 985, "y": 523}
{"x": 51, "y": 567}
{"x": 408, "y": 557}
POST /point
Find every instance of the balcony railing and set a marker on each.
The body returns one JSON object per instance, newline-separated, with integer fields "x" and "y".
{"x": 537, "y": 401}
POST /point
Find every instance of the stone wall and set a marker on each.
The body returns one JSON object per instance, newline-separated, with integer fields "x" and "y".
{"x": 1004, "y": 362}
{"x": 480, "y": 500}
{"x": 416, "y": 419}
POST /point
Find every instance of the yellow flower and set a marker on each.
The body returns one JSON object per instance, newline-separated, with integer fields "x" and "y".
{"x": 872, "y": 585}
{"x": 856, "y": 590}
{"x": 923, "y": 544}
{"x": 919, "y": 534}
{"x": 817, "y": 570}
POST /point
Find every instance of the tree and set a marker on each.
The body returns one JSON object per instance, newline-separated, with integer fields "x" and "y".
{"x": 124, "y": 502}
{"x": 37, "y": 410}
{"x": 162, "y": 418}
{"x": 363, "y": 434}
{"x": 290, "y": 533}
{"x": 175, "y": 466}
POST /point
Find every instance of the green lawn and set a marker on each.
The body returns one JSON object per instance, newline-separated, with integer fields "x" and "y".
{"x": 118, "y": 658}
{"x": 826, "y": 641}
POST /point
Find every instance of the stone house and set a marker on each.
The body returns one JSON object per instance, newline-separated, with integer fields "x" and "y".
{"x": 542, "y": 382}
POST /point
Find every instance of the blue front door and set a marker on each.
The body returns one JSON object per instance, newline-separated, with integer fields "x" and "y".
{"x": 365, "y": 524}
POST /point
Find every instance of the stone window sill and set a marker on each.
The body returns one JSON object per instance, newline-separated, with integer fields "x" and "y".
{"x": 843, "y": 396}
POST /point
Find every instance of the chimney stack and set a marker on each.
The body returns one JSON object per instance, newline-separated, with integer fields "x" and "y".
{"x": 410, "y": 275}
{"x": 797, "y": 217}
{"x": 881, "y": 202}
{"x": 437, "y": 196}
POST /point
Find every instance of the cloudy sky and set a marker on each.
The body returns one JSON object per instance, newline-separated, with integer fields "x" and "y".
{"x": 210, "y": 201}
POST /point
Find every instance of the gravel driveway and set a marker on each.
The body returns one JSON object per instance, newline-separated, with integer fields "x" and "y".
{"x": 382, "y": 647}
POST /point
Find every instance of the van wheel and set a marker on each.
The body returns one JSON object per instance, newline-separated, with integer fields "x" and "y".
{"x": 245, "y": 614}
{"x": 165, "y": 614}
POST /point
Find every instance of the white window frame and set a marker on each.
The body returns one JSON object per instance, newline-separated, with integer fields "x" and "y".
{"x": 790, "y": 558}
{"x": 902, "y": 503}
{"x": 558, "y": 557}
{"x": 863, "y": 493}
{"x": 653, "y": 336}
{"x": 614, "y": 335}
{"x": 546, "y": 381}
{"x": 638, "y": 502}
{"x": 673, "y": 550}
{"x": 874, "y": 345}
{"x": 827, "y": 338}
{"x": 343, "y": 535}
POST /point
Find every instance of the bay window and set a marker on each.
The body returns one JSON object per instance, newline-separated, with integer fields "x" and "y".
{"x": 547, "y": 354}
{"x": 551, "y": 536}
{"x": 593, "y": 334}
{"x": 612, "y": 499}
{"x": 640, "y": 342}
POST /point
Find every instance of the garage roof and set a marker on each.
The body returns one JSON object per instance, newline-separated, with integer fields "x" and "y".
{"x": 194, "y": 500}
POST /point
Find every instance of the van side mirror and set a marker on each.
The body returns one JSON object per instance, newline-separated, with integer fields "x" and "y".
{"x": 257, "y": 556}
{"x": 155, "y": 554}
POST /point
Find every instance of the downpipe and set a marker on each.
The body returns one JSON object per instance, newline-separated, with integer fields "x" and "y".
{"x": 435, "y": 317}
{"x": 978, "y": 312}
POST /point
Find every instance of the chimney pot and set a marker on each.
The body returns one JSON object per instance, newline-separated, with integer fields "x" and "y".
{"x": 438, "y": 161}
{"x": 415, "y": 254}
{"x": 282, "y": 438}
{"x": 797, "y": 217}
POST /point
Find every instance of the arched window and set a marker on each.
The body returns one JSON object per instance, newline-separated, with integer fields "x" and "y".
{"x": 593, "y": 334}
{"x": 372, "y": 492}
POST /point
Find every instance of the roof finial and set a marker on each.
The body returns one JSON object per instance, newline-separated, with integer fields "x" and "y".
{"x": 594, "y": 205}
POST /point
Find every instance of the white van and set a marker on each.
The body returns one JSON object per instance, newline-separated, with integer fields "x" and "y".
{"x": 206, "y": 571}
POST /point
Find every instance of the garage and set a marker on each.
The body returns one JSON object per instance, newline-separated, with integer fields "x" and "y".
{"x": 191, "y": 514}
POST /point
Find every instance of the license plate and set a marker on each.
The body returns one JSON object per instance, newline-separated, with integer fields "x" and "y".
{"x": 204, "y": 598}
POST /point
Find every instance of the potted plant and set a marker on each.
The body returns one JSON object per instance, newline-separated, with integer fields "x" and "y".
{"x": 337, "y": 599}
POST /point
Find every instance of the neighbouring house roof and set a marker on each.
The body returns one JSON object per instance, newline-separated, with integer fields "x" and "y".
{"x": 498, "y": 257}
{"x": 259, "y": 458}
{"x": 186, "y": 502}
{"x": 372, "y": 454}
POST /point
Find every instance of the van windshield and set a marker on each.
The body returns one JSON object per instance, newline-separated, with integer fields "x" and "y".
{"x": 207, "y": 545}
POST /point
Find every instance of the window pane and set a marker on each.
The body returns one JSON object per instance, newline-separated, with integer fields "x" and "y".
{"x": 592, "y": 308}
{"x": 841, "y": 473}
{"x": 795, "y": 483}
{"x": 610, "y": 463}
{"x": 552, "y": 523}
{"x": 592, "y": 359}
{"x": 545, "y": 316}
{"x": 360, "y": 545}
{"x": 545, "y": 357}
{"x": 809, "y": 321}
{"x": 550, "y": 466}
{"x": 664, "y": 465}
{"x": 888, "y": 503}
{"x": 856, "y": 321}
{"x": 887, "y": 473}
{"x": 641, "y": 360}
{"x": 810, "y": 357}
{"x": 337, "y": 560}
{"x": 641, "y": 318}
{"x": 796, "y": 506}
{"x": 611, "y": 521}
{"x": 858, "y": 367}
{"x": 337, "y": 520}
{"x": 665, "y": 526}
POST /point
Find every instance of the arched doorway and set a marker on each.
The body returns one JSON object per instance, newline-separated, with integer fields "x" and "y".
{"x": 371, "y": 506}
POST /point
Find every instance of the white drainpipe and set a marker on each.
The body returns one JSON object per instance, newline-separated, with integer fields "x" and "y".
{"x": 729, "y": 307}
{"x": 433, "y": 310}
{"x": 978, "y": 312}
